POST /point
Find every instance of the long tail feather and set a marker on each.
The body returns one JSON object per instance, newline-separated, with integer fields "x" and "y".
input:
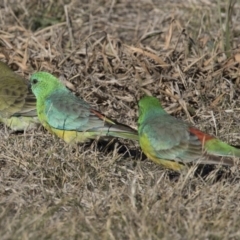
{"x": 115, "y": 129}
{"x": 210, "y": 159}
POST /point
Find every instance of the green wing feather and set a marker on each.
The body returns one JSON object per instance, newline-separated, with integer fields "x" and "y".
{"x": 65, "y": 111}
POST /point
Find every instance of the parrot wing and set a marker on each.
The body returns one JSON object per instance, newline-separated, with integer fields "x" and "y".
{"x": 64, "y": 114}
{"x": 172, "y": 140}
{"x": 65, "y": 111}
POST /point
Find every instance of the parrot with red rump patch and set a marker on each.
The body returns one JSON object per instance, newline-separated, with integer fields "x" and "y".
{"x": 70, "y": 117}
{"x": 173, "y": 143}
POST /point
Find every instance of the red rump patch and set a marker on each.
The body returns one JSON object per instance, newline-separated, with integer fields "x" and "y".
{"x": 101, "y": 116}
{"x": 203, "y": 137}
{"x": 98, "y": 114}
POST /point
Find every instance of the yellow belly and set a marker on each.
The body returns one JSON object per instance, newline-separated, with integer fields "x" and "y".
{"x": 150, "y": 153}
{"x": 70, "y": 137}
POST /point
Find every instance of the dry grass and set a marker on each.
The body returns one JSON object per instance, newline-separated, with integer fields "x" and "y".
{"x": 112, "y": 52}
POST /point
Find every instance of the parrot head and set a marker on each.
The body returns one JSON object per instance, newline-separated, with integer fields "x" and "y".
{"x": 148, "y": 106}
{"x": 147, "y": 103}
{"x": 43, "y": 84}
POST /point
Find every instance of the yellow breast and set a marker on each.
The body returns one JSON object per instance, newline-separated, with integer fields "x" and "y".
{"x": 148, "y": 149}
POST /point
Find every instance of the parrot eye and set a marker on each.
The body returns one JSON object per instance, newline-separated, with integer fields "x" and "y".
{"x": 34, "y": 81}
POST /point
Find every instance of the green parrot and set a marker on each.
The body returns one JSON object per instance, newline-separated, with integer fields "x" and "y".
{"x": 70, "y": 117}
{"x": 173, "y": 143}
{"x": 17, "y": 103}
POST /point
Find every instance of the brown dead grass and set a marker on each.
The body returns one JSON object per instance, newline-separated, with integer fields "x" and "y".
{"x": 112, "y": 52}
